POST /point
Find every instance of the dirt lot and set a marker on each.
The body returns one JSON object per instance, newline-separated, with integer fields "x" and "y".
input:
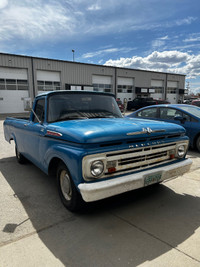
{"x": 155, "y": 226}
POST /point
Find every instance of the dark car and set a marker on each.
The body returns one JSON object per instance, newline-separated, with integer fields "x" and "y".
{"x": 187, "y": 116}
{"x": 141, "y": 102}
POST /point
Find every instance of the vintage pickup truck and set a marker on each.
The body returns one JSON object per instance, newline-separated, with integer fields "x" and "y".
{"x": 82, "y": 139}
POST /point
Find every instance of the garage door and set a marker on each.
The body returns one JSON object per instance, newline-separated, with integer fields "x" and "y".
{"x": 102, "y": 83}
{"x": 48, "y": 81}
{"x": 157, "y": 89}
{"x": 172, "y": 95}
{"x": 13, "y": 89}
{"x": 125, "y": 88}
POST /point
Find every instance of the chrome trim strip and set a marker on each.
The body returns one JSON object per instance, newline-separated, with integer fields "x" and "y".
{"x": 147, "y": 130}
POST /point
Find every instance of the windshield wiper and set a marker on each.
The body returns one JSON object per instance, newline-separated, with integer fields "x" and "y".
{"x": 71, "y": 118}
{"x": 102, "y": 116}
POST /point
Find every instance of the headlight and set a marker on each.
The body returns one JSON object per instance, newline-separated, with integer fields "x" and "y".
{"x": 97, "y": 168}
{"x": 181, "y": 151}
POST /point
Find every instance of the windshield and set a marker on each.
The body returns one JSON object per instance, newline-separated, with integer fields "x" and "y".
{"x": 81, "y": 106}
{"x": 192, "y": 110}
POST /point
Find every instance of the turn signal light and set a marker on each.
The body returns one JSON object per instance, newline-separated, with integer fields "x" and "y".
{"x": 111, "y": 170}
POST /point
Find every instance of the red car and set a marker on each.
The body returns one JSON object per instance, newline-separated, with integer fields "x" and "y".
{"x": 196, "y": 102}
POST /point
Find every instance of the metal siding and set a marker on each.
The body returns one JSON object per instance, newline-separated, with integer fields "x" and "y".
{"x": 75, "y": 73}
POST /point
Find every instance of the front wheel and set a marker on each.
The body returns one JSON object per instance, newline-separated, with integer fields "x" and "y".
{"x": 69, "y": 195}
{"x": 198, "y": 144}
{"x": 20, "y": 158}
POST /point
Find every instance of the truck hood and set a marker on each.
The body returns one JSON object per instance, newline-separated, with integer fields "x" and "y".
{"x": 92, "y": 131}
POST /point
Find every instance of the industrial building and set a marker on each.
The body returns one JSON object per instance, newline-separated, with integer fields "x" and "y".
{"x": 24, "y": 77}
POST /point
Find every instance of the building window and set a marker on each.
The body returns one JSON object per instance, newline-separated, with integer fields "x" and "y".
{"x": 171, "y": 90}
{"x": 124, "y": 88}
{"x": 48, "y": 85}
{"x": 157, "y": 89}
{"x": 100, "y": 87}
{"x": 12, "y": 84}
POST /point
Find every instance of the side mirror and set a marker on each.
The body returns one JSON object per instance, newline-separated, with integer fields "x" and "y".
{"x": 180, "y": 118}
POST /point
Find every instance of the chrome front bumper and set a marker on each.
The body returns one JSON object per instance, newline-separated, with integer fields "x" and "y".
{"x": 103, "y": 189}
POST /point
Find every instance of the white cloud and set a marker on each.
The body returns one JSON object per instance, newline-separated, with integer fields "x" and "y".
{"x": 164, "y": 37}
{"x": 185, "y": 21}
{"x": 194, "y": 37}
{"x": 36, "y": 21}
{"x": 94, "y": 7}
{"x": 166, "y": 61}
{"x": 3, "y": 3}
{"x": 157, "y": 43}
{"x": 107, "y": 51}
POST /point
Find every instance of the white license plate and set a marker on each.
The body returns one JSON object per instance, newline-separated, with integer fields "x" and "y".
{"x": 152, "y": 179}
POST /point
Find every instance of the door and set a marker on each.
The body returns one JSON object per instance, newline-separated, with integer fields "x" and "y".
{"x": 170, "y": 114}
{"x": 33, "y": 132}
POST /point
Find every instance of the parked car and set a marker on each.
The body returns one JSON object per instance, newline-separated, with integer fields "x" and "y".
{"x": 196, "y": 102}
{"x": 186, "y": 101}
{"x": 141, "y": 102}
{"x": 186, "y": 115}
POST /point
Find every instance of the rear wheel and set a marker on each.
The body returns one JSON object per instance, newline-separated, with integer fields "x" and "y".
{"x": 198, "y": 143}
{"x": 20, "y": 158}
{"x": 69, "y": 195}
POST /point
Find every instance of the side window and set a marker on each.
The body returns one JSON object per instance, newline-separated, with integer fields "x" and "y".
{"x": 39, "y": 110}
{"x": 148, "y": 113}
{"x": 169, "y": 113}
{"x": 186, "y": 117}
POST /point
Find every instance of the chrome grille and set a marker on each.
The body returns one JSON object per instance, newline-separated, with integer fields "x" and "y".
{"x": 142, "y": 158}
{"x": 138, "y": 158}
{"x": 128, "y": 160}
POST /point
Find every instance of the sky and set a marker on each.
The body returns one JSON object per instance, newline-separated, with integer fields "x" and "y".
{"x": 160, "y": 35}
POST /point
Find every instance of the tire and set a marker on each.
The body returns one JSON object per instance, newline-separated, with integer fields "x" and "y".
{"x": 20, "y": 158}
{"x": 198, "y": 143}
{"x": 69, "y": 195}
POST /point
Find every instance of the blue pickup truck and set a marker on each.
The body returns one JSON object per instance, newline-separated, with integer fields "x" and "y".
{"x": 82, "y": 139}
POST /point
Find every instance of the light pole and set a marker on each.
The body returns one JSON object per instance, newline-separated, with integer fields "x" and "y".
{"x": 73, "y": 53}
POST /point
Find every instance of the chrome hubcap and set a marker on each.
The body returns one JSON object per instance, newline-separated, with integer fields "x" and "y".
{"x": 65, "y": 185}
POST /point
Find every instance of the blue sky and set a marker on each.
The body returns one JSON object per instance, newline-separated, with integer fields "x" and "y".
{"x": 161, "y": 35}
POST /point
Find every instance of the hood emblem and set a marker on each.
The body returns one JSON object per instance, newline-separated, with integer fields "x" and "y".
{"x": 147, "y": 131}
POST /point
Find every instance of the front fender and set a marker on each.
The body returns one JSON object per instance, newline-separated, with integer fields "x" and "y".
{"x": 72, "y": 157}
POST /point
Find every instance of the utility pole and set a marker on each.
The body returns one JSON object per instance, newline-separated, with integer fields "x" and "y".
{"x": 73, "y": 53}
